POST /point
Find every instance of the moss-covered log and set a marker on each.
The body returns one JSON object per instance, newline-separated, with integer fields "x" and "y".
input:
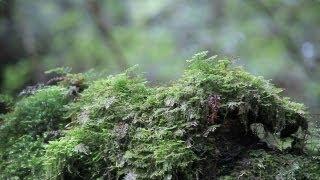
{"x": 117, "y": 127}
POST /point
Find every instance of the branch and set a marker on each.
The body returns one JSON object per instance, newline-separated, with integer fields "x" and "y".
{"x": 292, "y": 49}
{"x": 106, "y": 32}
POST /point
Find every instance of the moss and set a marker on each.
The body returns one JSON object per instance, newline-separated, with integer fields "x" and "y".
{"x": 120, "y": 127}
{"x": 77, "y": 155}
{"x": 106, "y": 108}
{"x": 6, "y": 103}
{"x": 260, "y": 164}
{"x": 33, "y": 121}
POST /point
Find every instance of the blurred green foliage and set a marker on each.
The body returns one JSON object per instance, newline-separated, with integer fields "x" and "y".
{"x": 276, "y": 39}
{"x": 17, "y": 76}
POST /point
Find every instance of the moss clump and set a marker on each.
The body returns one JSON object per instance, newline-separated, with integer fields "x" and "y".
{"x": 33, "y": 121}
{"x": 6, "y": 103}
{"x": 102, "y": 119}
{"x": 121, "y": 128}
{"x": 260, "y": 164}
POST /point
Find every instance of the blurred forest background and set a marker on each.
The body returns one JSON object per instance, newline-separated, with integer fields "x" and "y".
{"x": 278, "y": 39}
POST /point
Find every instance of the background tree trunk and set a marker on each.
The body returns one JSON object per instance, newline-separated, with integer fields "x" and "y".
{"x": 105, "y": 28}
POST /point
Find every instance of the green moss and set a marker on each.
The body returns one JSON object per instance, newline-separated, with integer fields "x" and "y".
{"x": 260, "y": 164}
{"x": 105, "y": 109}
{"x": 34, "y": 120}
{"x": 120, "y": 127}
{"x": 6, "y": 104}
{"x": 22, "y": 158}
{"x": 78, "y": 154}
